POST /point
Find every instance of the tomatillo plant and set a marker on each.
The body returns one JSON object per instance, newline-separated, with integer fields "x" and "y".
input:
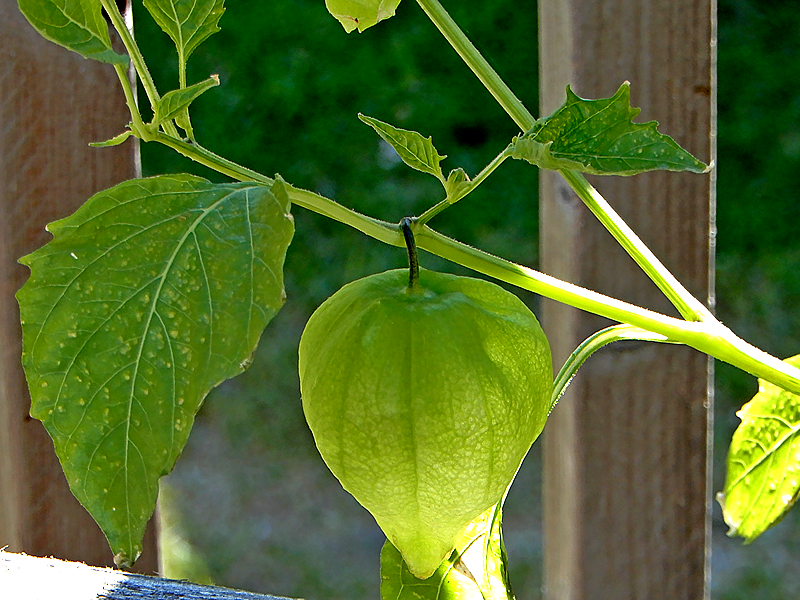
{"x": 423, "y": 390}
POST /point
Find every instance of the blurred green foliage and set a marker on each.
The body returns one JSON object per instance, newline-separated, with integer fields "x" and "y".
{"x": 288, "y": 104}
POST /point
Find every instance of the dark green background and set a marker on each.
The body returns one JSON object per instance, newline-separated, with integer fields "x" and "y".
{"x": 250, "y": 504}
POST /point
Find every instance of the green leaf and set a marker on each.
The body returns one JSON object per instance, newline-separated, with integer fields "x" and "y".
{"x": 599, "y": 137}
{"x": 148, "y": 296}
{"x": 763, "y": 479}
{"x": 457, "y": 182}
{"x": 115, "y": 141}
{"x": 78, "y": 25}
{"x": 477, "y": 569}
{"x": 361, "y": 13}
{"x": 188, "y": 22}
{"x": 175, "y": 103}
{"x": 416, "y": 151}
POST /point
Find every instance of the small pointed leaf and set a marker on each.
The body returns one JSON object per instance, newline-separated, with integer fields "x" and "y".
{"x": 188, "y": 22}
{"x": 763, "y": 478}
{"x": 599, "y": 137}
{"x": 148, "y": 296}
{"x": 115, "y": 141}
{"x": 77, "y": 25}
{"x": 361, "y": 14}
{"x": 477, "y": 569}
{"x": 457, "y": 182}
{"x": 416, "y": 151}
{"x": 175, "y": 103}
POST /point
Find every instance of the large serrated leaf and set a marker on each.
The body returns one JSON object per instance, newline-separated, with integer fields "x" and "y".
{"x": 763, "y": 479}
{"x": 78, "y": 25}
{"x": 151, "y": 294}
{"x": 361, "y": 14}
{"x": 188, "y": 22}
{"x": 599, "y": 137}
{"x": 477, "y": 569}
{"x": 175, "y": 103}
{"x": 416, "y": 151}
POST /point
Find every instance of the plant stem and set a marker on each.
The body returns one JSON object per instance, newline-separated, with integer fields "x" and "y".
{"x": 375, "y": 228}
{"x": 475, "y": 61}
{"x": 591, "y": 345}
{"x": 413, "y": 261}
{"x": 467, "y": 189}
{"x": 138, "y": 125}
{"x": 688, "y": 306}
{"x": 709, "y": 337}
{"x": 138, "y": 62}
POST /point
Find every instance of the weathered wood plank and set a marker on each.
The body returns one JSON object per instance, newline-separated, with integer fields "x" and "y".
{"x": 52, "y": 104}
{"x": 626, "y": 496}
{"x": 25, "y": 577}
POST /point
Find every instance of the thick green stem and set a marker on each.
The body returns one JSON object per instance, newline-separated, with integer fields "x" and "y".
{"x": 709, "y": 337}
{"x": 688, "y": 306}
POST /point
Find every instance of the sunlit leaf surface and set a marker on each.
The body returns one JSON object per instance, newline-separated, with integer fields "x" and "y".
{"x": 763, "y": 478}
{"x": 151, "y": 294}
{"x": 75, "y": 24}
{"x": 599, "y": 137}
{"x": 361, "y": 14}
{"x": 477, "y": 569}
{"x": 416, "y": 151}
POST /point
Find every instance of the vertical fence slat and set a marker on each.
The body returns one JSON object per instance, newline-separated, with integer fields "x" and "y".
{"x": 626, "y": 501}
{"x": 52, "y": 104}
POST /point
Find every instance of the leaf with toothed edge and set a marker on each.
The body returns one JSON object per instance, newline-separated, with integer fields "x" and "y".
{"x": 600, "y": 138}
{"x": 763, "y": 478}
{"x": 149, "y": 295}
{"x": 188, "y": 22}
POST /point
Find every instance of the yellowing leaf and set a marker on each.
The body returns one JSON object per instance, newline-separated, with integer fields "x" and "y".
{"x": 763, "y": 479}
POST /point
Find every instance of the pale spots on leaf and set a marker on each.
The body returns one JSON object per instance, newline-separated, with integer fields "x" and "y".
{"x": 125, "y": 334}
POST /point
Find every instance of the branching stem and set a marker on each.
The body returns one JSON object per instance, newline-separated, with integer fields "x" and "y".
{"x": 700, "y": 331}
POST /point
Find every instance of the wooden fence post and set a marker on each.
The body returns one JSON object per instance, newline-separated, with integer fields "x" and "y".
{"x": 52, "y": 104}
{"x": 627, "y": 464}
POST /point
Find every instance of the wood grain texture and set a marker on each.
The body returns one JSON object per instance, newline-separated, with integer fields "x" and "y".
{"x": 52, "y": 104}
{"x": 626, "y": 452}
{"x": 30, "y": 578}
